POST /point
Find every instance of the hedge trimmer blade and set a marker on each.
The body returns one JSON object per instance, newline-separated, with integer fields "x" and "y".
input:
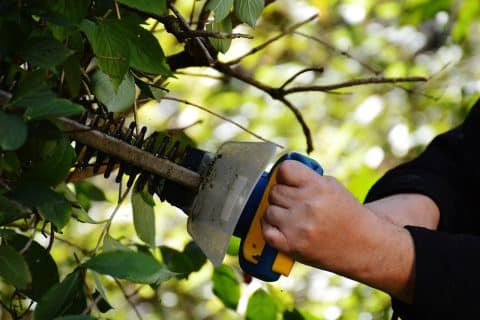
{"x": 224, "y": 191}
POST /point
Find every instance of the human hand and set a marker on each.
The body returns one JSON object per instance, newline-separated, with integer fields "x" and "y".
{"x": 311, "y": 217}
{"x": 316, "y": 220}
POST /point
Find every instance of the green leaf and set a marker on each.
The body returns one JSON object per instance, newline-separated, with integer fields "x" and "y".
{"x": 13, "y": 268}
{"x": 115, "y": 98}
{"x": 66, "y": 297}
{"x": 9, "y": 162}
{"x": 104, "y": 306}
{"x": 13, "y": 131}
{"x": 233, "y": 246}
{"x": 31, "y": 90}
{"x": 224, "y": 26}
{"x": 110, "y": 244}
{"x": 186, "y": 262}
{"x": 87, "y": 192}
{"x": 10, "y": 211}
{"x": 221, "y": 8}
{"x": 40, "y": 263}
{"x": 52, "y": 206}
{"x": 48, "y": 109}
{"x": 108, "y": 44}
{"x": 75, "y": 317}
{"x": 197, "y": 257}
{"x": 73, "y": 74}
{"x": 90, "y": 190}
{"x": 226, "y": 286}
{"x": 129, "y": 265}
{"x": 73, "y": 10}
{"x": 248, "y": 11}
{"x": 47, "y": 155}
{"x": 146, "y": 54}
{"x": 45, "y": 52}
{"x": 293, "y": 315}
{"x": 156, "y": 7}
{"x": 261, "y": 306}
{"x": 177, "y": 261}
{"x": 144, "y": 217}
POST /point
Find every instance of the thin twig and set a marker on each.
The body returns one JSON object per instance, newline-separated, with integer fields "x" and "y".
{"x": 335, "y": 49}
{"x": 287, "y": 31}
{"x": 306, "y": 130}
{"x": 320, "y": 70}
{"x": 216, "y": 34}
{"x": 202, "y": 75}
{"x": 353, "y": 83}
{"x": 221, "y": 117}
{"x": 106, "y": 228}
{"x": 185, "y": 127}
{"x": 199, "y": 41}
{"x": 128, "y": 298}
{"x": 117, "y": 10}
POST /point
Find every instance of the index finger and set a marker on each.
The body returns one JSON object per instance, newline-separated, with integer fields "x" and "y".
{"x": 293, "y": 173}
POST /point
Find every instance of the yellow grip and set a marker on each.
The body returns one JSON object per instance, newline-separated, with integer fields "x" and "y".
{"x": 254, "y": 243}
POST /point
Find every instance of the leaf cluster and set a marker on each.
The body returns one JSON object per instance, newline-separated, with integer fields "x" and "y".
{"x": 61, "y": 58}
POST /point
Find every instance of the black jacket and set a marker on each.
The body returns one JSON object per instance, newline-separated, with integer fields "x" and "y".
{"x": 447, "y": 261}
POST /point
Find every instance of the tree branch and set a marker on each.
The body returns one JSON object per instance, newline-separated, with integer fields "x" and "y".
{"x": 287, "y": 31}
{"x": 221, "y": 117}
{"x": 353, "y": 83}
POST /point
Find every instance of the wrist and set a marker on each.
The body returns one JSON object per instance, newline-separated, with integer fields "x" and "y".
{"x": 382, "y": 256}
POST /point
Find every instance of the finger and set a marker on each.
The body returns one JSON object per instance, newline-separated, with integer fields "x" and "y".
{"x": 274, "y": 237}
{"x": 282, "y": 195}
{"x": 293, "y": 173}
{"x": 276, "y": 216}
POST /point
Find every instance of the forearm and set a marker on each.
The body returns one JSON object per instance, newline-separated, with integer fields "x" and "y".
{"x": 383, "y": 257}
{"x": 407, "y": 209}
{"x": 386, "y": 255}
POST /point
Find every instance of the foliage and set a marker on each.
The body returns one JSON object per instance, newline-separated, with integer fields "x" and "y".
{"x": 59, "y": 58}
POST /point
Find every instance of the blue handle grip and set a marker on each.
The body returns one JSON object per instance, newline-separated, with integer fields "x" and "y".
{"x": 262, "y": 269}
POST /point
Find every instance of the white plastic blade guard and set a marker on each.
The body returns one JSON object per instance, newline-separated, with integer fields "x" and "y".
{"x": 223, "y": 194}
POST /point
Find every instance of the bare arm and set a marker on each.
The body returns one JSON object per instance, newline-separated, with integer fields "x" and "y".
{"x": 407, "y": 209}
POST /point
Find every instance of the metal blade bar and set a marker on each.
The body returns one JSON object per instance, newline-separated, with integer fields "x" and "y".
{"x": 123, "y": 151}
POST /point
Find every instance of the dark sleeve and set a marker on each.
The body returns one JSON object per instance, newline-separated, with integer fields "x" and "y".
{"x": 447, "y": 261}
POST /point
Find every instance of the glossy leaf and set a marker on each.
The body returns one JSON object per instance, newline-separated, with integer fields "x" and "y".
{"x": 116, "y": 98}
{"x": 223, "y": 26}
{"x": 13, "y": 131}
{"x": 45, "y": 52}
{"x": 48, "y": 109}
{"x": 13, "y": 268}
{"x": 108, "y": 44}
{"x": 156, "y": 7}
{"x": 146, "y": 54}
{"x": 10, "y": 211}
{"x": 86, "y": 192}
{"x": 144, "y": 217}
{"x": 248, "y": 11}
{"x": 177, "y": 261}
{"x": 40, "y": 263}
{"x": 64, "y": 298}
{"x": 47, "y": 154}
{"x": 221, "y": 8}
{"x": 197, "y": 257}
{"x": 111, "y": 244}
{"x": 73, "y": 10}
{"x": 129, "y": 265}
{"x": 261, "y": 306}
{"x": 226, "y": 286}
{"x": 52, "y": 206}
